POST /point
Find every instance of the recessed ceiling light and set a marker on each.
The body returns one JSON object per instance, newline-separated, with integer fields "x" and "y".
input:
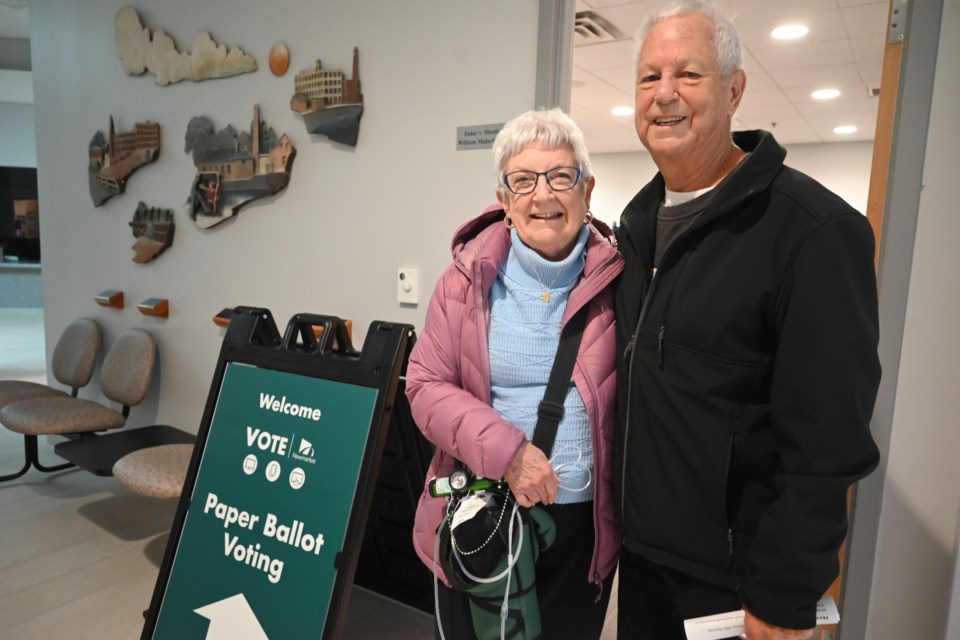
{"x": 622, "y": 111}
{"x": 789, "y": 32}
{"x": 845, "y": 129}
{"x": 825, "y": 94}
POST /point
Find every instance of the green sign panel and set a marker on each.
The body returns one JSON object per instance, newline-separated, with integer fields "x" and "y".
{"x": 270, "y": 508}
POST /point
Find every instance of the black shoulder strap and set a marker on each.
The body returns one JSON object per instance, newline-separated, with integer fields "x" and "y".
{"x": 550, "y": 411}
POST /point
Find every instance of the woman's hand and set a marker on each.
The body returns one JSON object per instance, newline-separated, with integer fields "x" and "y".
{"x": 531, "y": 478}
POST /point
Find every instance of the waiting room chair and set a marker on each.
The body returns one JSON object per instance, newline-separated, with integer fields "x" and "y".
{"x": 156, "y": 472}
{"x": 73, "y": 361}
{"x": 124, "y": 378}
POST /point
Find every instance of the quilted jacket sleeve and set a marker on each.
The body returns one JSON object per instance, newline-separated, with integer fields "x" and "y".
{"x": 446, "y": 383}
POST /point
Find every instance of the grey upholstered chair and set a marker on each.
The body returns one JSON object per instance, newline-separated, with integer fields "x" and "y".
{"x": 157, "y": 472}
{"x": 124, "y": 378}
{"x": 72, "y": 365}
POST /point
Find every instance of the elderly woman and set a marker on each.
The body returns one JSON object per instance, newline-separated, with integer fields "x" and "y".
{"x": 479, "y": 369}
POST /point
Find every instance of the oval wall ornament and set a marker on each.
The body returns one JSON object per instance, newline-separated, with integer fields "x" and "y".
{"x": 279, "y": 59}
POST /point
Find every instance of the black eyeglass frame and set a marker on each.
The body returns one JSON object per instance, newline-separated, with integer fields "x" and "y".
{"x": 536, "y": 179}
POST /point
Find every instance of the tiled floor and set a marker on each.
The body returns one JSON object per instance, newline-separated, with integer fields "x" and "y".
{"x": 79, "y": 553}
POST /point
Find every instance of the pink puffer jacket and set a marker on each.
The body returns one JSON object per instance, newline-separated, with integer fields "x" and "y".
{"x": 448, "y": 376}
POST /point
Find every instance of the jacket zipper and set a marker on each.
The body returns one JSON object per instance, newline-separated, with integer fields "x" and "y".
{"x": 630, "y": 351}
{"x": 663, "y": 330}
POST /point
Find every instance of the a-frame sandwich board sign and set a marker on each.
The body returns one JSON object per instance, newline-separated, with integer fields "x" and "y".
{"x": 267, "y": 532}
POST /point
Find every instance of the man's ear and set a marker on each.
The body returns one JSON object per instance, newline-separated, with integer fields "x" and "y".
{"x": 738, "y": 82}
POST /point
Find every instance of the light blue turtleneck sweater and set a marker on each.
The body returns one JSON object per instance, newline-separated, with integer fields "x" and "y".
{"x": 524, "y": 336}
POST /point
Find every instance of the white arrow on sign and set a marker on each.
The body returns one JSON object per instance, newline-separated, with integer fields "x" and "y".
{"x": 232, "y": 619}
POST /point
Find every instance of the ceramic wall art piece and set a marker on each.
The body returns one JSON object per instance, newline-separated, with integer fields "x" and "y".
{"x": 329, "y": 103}
{"x": 112, "y": 158}
{"x": 234, "y": 168}
{"x": 279, "y": 59}
{"x": 153, "y": 229}
{"x": 140, "y": 52}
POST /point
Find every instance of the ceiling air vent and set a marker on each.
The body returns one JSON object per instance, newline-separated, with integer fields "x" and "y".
{"x": 590, "y": 27}
{"x": 873, "y": 92}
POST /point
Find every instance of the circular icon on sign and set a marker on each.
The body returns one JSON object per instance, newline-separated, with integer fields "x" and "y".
{"x": 297, "y": 478}
{"x": 273, "y": 470}
{"x": 250, "y": 464}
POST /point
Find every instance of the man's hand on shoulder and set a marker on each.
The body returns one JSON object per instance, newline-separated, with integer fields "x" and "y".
{"x": 756, "y": 629}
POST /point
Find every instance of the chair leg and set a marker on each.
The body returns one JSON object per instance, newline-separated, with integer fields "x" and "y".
{"x": 27, "y": 463}
{"x": 31, "y": 452}
{"x": 35, "y": 453}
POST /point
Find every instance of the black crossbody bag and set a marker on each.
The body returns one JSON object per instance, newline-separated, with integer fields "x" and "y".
{"x": 486, "y": 535}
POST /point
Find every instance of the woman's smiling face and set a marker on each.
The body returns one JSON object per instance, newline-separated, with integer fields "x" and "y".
{"x": 547, "y": 221}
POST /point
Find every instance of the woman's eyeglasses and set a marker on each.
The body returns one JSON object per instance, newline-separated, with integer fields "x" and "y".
{"x": 558, "y": 179}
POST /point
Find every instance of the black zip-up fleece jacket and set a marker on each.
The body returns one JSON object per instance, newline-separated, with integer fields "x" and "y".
{"x": 748, "y": 377}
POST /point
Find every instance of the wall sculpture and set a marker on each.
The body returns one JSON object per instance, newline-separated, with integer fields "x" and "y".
{"x": 153, "y": 228}
{"x": 113, "y": 158}
{"x": 141, "y": 52}
{"x": 234, "y": 168}
{"x": 330, "y": 103}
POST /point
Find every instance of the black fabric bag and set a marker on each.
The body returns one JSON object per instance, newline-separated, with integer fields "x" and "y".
{"x": 480, "y": 541}
{"x": 474, "y": 538}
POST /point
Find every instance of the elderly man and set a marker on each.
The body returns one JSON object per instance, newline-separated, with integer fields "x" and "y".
{"x": 747, "y": 323}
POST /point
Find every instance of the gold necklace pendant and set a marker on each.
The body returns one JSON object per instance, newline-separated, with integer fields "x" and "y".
{"x": 545, "y": 296}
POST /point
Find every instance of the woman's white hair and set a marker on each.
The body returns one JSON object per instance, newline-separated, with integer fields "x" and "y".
{"x": 726, "y": 39}
{"x": 551, "y": 127}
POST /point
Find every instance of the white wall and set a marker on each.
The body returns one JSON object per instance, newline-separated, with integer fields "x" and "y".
{"x": 18, "y": 147}
{"x": 843, "y": 167}
{"x": 918, "y": 532}
{"x": 330, "y": 243}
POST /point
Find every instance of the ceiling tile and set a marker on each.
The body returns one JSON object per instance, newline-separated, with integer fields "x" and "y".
{"x": 871, "y": 72}
{"x": 796, "y": 55}
{"x": 605, "y": 55}
{"x": 759, "y": 81}
{"x": 750, "y": 9}
{"x": 825, "y": 132}
{"x": 824, "y": 26}
{"x": 628, "y": 16}
{"x": 767, "y": 114}
{"x": 868, "y": 47}
{"x": 866, "y": 19}
{"x": 808, "y": 79}
{"x": 787, "y": 131}
{"x": 598, "y": 94}
{"x": 621, "y": 77}
{"x": 860, "y": 109}
{"x": 851, "y": 93}
{"x": 772, "y": 102}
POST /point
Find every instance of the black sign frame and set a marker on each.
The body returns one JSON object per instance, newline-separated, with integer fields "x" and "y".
{"x": 253, "y": 339}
